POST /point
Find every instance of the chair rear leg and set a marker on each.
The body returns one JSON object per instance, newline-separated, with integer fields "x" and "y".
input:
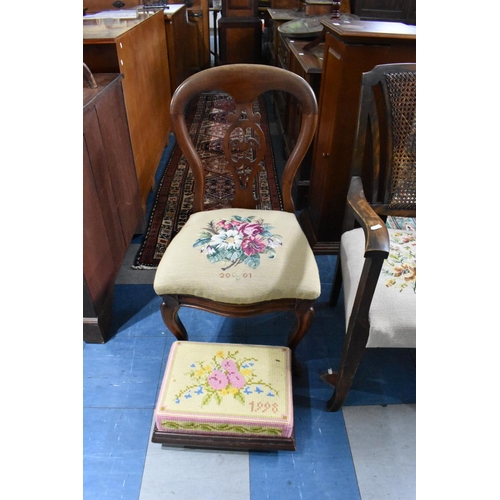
{"x": 169, "y": 313}
{"x": 304, "y": 313}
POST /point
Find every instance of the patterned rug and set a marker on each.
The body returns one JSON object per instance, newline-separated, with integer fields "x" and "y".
{"x": 207, "y": 120}
{"x": 406, "y": 223}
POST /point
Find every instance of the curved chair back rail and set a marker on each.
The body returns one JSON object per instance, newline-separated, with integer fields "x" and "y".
{"x": 244, "y": 90}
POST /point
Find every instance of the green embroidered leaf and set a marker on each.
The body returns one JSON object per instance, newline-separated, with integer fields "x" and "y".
{"x": 236, "y": 255}
{"x": 215, "y": 257}
{"x": 201, "y": 241}
{"x": 239, "y": 397}
{"x": 253, "y": 261}
{"x": 206, "y": 399}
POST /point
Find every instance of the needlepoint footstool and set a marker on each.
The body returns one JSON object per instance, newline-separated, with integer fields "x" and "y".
{"x": 226, "y": 396}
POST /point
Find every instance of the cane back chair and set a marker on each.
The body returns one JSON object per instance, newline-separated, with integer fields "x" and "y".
{"x": 241, "y": 261}
{"x": 377, "y": 265}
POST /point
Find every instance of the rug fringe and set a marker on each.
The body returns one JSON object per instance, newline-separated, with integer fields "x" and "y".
{"x": 143, "y": 267}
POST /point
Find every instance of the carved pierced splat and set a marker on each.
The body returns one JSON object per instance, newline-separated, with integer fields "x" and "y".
{"x": 244, "y": 147}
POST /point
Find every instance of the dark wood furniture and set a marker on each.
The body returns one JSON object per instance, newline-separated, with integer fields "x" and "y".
{"x": 386, "y": 10}
{"x": 136, "y": 48}
{"x": 198, "y": 39}
{"x": 244, "y": 82}
{"x": 277, "y": 17}
{"x": 350, "y": 50}
{"x": 307, "y": 64}
{"x": 111, "y": 203}
{"x": 222, "y": 442}
{"x": 185, "y": 56}
{"x": 382, "y": 183}
{"x": 240, "y": 32}
{"x": 282, "y": 11}
{"x": 196, "y": 43}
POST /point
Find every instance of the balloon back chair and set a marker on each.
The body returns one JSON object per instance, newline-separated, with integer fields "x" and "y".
{"x": 377, "y": 265}
{"x": 241, "y": 261}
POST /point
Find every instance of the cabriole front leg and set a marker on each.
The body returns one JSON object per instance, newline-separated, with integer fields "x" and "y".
{"x": 170, "y": 315}
{"x": 304, "y": 313}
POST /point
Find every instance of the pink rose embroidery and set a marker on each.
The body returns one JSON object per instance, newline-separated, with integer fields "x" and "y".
{"x": 218, "y": 380}
{"x": 229, "y": 365}
{"x": 237, "y": 380}
{"x": 250, "y": 229}
{"x": 253, "y": 245}
{"x": 238, "y": 240}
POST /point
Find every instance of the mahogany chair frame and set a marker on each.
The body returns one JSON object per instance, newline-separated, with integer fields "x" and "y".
{"x": 244, "y": 82}
{"x": 383, "y": 183}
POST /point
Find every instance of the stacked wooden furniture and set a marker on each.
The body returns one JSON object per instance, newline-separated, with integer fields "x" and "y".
{"x": 350, "y": 50}
{"x": 111, "y": 202}
{"x": 240, "y": 32}
{"x": 137, "y": 49}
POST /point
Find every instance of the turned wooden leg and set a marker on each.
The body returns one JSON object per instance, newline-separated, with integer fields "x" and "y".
{"x": 304, "y": 313}
{"x": 169, "y": 313}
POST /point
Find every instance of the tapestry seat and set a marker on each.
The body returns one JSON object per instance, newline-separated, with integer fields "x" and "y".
{"x": 228, "y": 396}
{"x": 240, "y": 257}
{"x": 393, "y": 323}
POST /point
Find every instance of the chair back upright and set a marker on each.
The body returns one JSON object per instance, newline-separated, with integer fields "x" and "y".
{"x": 385, "y": 150}
{"x": 244, "y": 83}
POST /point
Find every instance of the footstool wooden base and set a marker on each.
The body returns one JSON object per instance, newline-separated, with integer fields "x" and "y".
{"x": 226, "y": 396}
{"x": 223, "y": 442}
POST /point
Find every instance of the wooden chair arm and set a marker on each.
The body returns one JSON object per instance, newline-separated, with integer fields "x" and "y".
{"x": 376, "y": 234}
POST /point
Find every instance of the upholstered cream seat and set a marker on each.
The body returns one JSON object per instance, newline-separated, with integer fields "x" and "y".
{"x": 235, "y": 262}
{"x": 392, "y": 316}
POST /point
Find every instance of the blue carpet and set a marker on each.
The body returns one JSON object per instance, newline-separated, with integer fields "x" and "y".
{"x": 122, "y": 379}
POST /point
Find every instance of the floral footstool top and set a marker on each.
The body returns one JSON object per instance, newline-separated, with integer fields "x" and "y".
{"x": 226, "y": 389}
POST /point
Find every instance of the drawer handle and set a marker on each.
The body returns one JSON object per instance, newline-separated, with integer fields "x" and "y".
{"x": 326, "y": 155}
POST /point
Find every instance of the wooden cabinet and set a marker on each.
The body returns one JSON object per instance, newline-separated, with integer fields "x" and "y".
{"x": 137, "y": 49}
{"x": 350, "y": 50}
{"x": 182, "y": 44}
{"x": 386, "y": 10}
{"x": 111, "y": 203}
{"x": 188, "y": 39}
{"x": 307, "y": 64}
{"x": 240, "y": 32}
{"x": 199, "y": 38}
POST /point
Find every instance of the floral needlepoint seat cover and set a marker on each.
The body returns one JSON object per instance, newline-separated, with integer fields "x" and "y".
{"x": 226, "y": 389}
{"x": 239, "y": 256}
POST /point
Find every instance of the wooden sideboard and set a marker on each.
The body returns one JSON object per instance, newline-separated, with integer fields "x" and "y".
{"x": 350, "y": 50}
{"x": 136, "y": 48}
{"x": 111, "y": 203}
